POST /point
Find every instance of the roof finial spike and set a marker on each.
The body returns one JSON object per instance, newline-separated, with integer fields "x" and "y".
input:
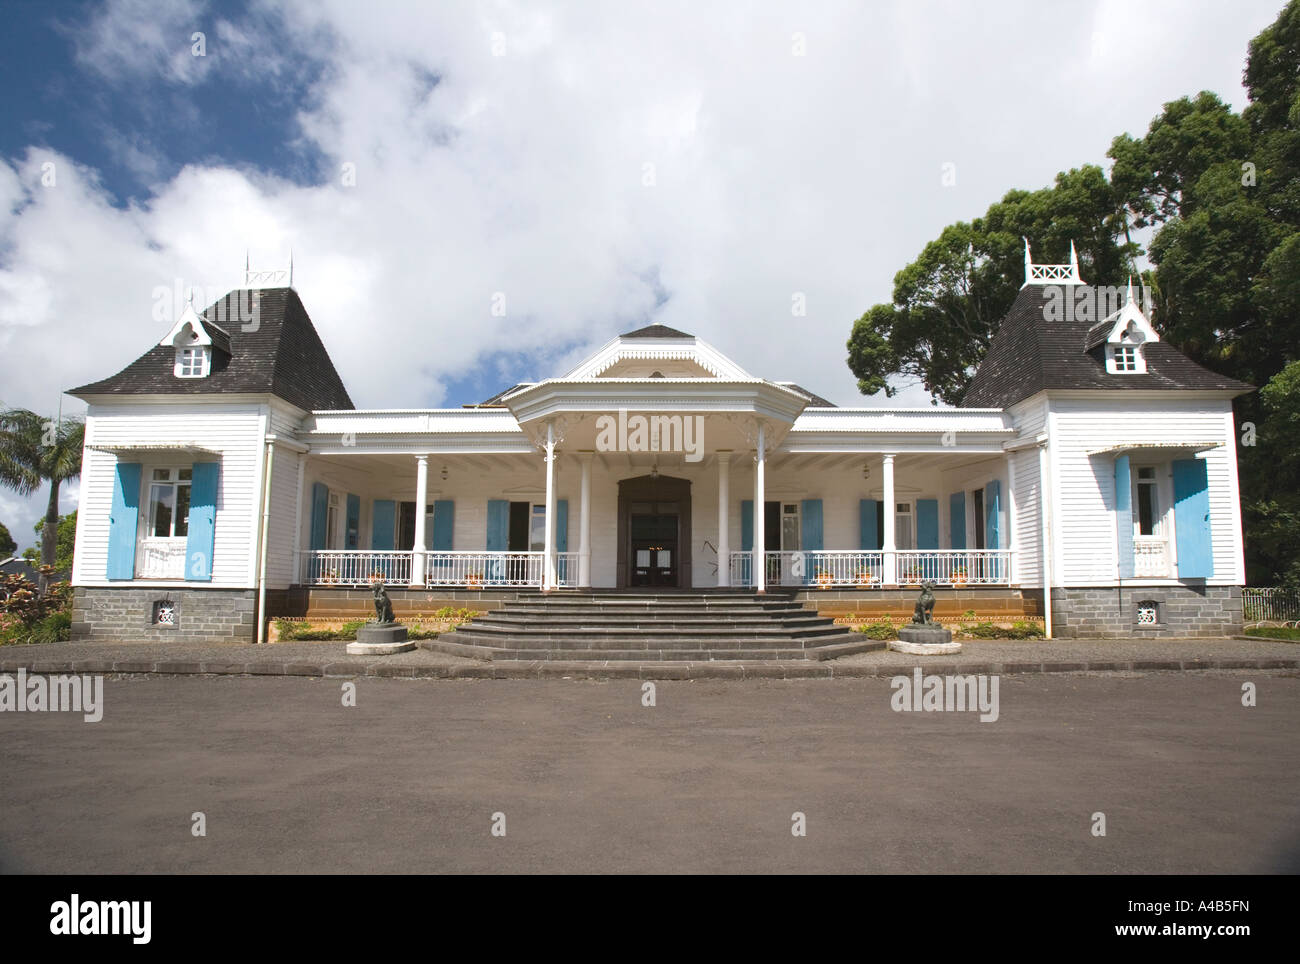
{"x": 1029, "y": 264}
{"x": 1074, "y": 258}
{"x": 1130, "y": 289}
{"x": 291, "y": 267}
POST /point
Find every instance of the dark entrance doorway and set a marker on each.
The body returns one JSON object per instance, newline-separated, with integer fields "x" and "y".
{"x": 654, "y": 560}
{"x": 654, "y": 532}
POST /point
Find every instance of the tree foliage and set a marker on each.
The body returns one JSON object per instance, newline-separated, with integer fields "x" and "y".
{"x": 1221, "y": 191}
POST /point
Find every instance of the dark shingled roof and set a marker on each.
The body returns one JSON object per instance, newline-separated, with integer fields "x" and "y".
{"x": 814, "y": 400}
{"x": 496, "y": 400}
{"x": 284, "y": 356}
{"x": 656, "y": 331}
{"x": 1030, "y": 354}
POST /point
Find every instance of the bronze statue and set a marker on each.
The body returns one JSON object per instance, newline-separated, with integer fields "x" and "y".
{"x": 383, "y": 605}
{"x": 923, "y": 614}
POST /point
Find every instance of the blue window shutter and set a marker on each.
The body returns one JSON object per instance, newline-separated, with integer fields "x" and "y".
{"x": 203, "y": 522}
{"x": 1124, "y": 516}
{"x": 810, "y": 536}
{"x": 561, "y": 525}
{"x": 957, "y": 520}
{"x": 122, "y": 521}
{"x": 993, "y": 515}
{"x": 746, "y": 525}
{"x": 868, "y": 531}
{"x": 444, "y": 516}
{"x": 498, "y": 525}
{"x": 319, "y": 514}
{"x": 562, "y": 538}
{"x": 927, "y": 523}
{"x": 353, "y": 538}
{"x": 1192, "y": 519}
{"x": 383, "y": 525}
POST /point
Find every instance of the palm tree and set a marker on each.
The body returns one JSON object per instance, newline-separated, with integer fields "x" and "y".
{"x": 34, "y": 450}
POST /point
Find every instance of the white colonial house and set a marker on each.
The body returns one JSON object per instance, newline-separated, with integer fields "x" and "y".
{"x": 1090, "y": 476}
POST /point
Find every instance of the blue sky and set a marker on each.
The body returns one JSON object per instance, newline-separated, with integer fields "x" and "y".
{"x": 593, "y": 166}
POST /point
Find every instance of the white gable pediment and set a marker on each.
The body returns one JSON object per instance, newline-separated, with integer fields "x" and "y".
{"x": 189, "y": 331}
{"x": 685, "y": 357}
{"x": 1129, "y": 326}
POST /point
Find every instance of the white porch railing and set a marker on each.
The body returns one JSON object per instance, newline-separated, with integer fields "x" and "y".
{"x": 566, "y": 568}
{"x": 1150, "y": 557}
{"x": 954, "y": 567}
{"x": 355, "y": 567}
{"x": 358, "y": 567}
{"x": 160, "y": 559}
{"x": 836, "y": 567}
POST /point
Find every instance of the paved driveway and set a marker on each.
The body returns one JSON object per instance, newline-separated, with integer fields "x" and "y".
{"x": 707, "y": 780}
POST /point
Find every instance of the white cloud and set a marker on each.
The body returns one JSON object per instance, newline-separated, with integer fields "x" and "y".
{"x": 524, "y": 173}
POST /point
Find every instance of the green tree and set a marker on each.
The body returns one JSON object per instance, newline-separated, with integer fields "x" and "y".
{"x": 36, "y": 450}
{"x": 948, "y": 303}
{"x": 65, "y": 541}
{"x": 1272, "y": 512}
{"x": 7, "y": 545}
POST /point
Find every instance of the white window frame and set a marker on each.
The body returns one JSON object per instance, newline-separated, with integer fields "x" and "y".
{"x": 1118, "y": 364}
{"x": 910, "y": 517}
{"x": 186, "y": 359}
{"x": 797, "y": 514}
{"x": 145, "y": 528}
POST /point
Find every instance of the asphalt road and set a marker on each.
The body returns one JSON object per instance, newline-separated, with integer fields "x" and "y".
{"x": 589, "y": 780}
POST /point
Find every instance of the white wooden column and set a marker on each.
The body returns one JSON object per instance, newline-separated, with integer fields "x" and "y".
{"x": 890, "y": 574}
{"x": 724, "y": 518}
{"x": 1045, "y": 504}
{"x": 760, "y": 515}
{"x": 584, "y": 524}
{"x": 421, "y": 505}
{"x": 548, "y": 546}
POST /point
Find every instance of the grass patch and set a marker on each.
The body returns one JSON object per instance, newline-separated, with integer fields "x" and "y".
{"x": 1289, "y": 633}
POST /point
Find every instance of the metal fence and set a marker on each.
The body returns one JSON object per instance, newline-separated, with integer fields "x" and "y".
{"x": 1270, "y": 604}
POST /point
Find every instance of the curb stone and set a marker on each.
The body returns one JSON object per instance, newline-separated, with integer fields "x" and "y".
{"x": 656, "y": 669}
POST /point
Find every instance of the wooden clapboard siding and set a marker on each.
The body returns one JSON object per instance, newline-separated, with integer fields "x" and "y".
{"x": 1085, "y": 487}
{"x": 284, "y": 494}
{"x": 233, "y": 430}
{"x": 1031, "y": 420}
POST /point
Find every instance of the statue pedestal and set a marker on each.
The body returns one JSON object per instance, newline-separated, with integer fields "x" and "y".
{"x": 374, "y": 639}
{"x": 928, "y": 640}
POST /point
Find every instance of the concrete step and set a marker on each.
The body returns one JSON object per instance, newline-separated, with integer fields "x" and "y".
{"x": 650, "y": 621}
{"x": 447, "y": 645}
{"x": 543, "y": 631}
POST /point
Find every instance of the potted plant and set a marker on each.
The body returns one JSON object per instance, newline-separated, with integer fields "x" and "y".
{"x": 863, "y": 576}
{"x": 474, "y": 580}
{"x": 959, "y": 576}
{"x": 823, "y": 577}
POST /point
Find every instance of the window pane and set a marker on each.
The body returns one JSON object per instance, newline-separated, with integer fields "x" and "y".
{"x": 537, "y": 532}
{"x": 642, "y": 508}
{"x": 1146, "y": 509}
{"x": 187, "y": 474}
{"x": 161, "y": 502}
{"x": 182, "y": 510}
{"x": 162, "y": 475}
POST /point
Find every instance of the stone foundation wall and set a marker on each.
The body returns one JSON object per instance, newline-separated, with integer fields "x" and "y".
{"x": 992, "y": 602}
{"x": 128, "y": 614}
{"x": 1180, "y": 611}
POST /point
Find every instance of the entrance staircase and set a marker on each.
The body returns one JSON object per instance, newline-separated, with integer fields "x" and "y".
{"x": 649, "y": 625}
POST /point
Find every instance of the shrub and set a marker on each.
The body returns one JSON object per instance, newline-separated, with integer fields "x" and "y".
{"x": 985, "y": 630}
{"x": 1023, "y": 629}
{"x": 879, "y": 630}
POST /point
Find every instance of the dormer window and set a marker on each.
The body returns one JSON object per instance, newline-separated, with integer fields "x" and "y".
{"x": 193, "y": 362}
{"x": 1123, "y": 358}
{"x": 194, "y": 341}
